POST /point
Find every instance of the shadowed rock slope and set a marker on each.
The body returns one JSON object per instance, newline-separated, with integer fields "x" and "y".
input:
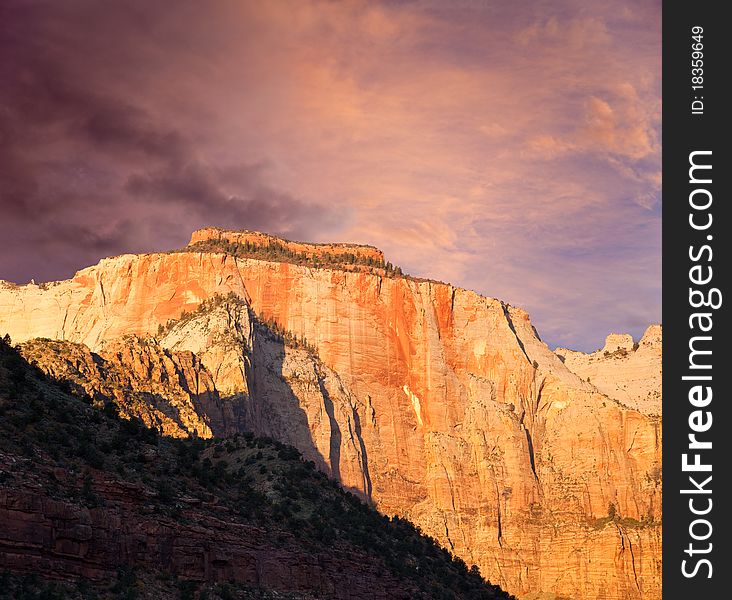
{"x": 100, "y": 506}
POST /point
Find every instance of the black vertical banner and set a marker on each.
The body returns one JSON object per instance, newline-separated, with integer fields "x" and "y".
{"x": 697, "y": 360}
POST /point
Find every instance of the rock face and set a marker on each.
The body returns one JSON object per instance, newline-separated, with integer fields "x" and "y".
{"x": 170, "y": 392}
{"x": 435, "y": 403}
{"x": 618, "y": 341}
{"x": 628, "y": 372}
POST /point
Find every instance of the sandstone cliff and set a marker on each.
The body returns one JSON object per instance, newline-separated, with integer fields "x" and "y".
{"x": 448, "y": 409}
{"x": 629, "y": 372}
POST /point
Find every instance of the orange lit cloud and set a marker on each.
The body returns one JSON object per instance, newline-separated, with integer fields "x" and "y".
{"x": 513, "y": 149}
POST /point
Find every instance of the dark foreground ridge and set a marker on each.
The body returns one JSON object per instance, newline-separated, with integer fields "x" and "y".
{"x": 96, "y": 506}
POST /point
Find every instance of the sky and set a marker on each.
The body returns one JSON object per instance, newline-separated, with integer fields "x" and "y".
{"x": 512, "y": 148}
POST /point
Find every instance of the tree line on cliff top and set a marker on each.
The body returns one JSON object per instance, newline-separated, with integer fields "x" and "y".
{"x": 278, "y": 252}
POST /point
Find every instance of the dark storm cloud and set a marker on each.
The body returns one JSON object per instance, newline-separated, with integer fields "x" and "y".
{"x": 91, "y": 162}
{"x": 186, "y": 183}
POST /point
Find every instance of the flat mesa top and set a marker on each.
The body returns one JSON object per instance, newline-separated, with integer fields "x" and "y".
{"x": 257, "y": 238}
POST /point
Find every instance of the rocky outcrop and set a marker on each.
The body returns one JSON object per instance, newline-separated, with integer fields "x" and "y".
{"x": 256, "y": 239}
{"x": 170, "y": 392}
{"x": 453, "y": 413}
{"x": 628, "y": 372}
{"x": 618, "y": 342}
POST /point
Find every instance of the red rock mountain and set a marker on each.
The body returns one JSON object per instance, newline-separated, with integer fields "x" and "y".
{"x": 435, "y": 403}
